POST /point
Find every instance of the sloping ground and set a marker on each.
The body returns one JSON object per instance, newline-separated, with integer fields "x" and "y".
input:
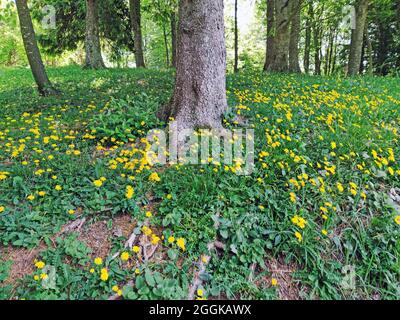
{"x": 86, "y": 214}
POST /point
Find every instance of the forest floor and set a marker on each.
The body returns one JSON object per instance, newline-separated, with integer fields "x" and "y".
{"x": 84, "y": 214}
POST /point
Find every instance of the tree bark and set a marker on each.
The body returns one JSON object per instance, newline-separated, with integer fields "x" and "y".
{"x": 357, "y": 36}
{"x": 307, "y": 45}
{"x": 166, "y": 45}
{"x": 294, "y": 65}
{"x": 135, "y": 16}
{"x": 270, "y": 34}
{"x": 45, "y": 87}
{"x": 173, "y": 38}
{"x": 236, "y": 65}
{"x": 94, "y": 60}
{"x": 317, "y": 43}
{"x": 280, "y": 57}
{"x": 199, "y": 98}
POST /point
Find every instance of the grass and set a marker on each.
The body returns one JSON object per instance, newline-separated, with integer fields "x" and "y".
{"x": 318, "y": 218}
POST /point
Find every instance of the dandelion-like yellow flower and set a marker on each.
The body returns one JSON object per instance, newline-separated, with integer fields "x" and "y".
{"x": 129, "y": 192}
{"x": 181, "y": 243}
{"x": 124, "y": 256}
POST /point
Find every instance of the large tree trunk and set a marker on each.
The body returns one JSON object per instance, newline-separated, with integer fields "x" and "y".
{"x": 294, "y": 65}
{"x": 307, "y": 45}
{"x": 236, "y": 65}
{"x": 94, "y": 60}
{"x": 173, "y": 38}
{"x": 357, "y": 36}
{"x": 270, "y": 34}
{"x": 199, "y": 98}
{"x": 280, "y": 57}
{"x": 32, "y": 50}
{"x": 134, "y": 9}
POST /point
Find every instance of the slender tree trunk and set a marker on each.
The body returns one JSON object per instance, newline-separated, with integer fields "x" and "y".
{"x": 270, "y": 34}
{"x": 173, "y": 38}
{"x": 317, "y": 46}
{"x": 32, "y": 50}
{"x": 294, "y": 65}
{"x": 166, "y": 45}
{"x": 280, "y": 58}
{"x": 330, "y": 55}
{"x": 199, "y": 98}
{"x": 357, "y": 36}
{"x": 94, "y": 60}
{"x": 370, "y": 52}
{"x": 236, "y": 65}
{"x": 307, "y": 45}
{"x": 135, "y": 16}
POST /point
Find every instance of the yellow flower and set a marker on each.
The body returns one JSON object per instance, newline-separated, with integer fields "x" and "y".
{"x": 397, "y": 219}
{"x": 104, "y": 274}
{"x": 36, "y": 278}
{"x": 98, "y": 261}
{"x": 324, "y": 232}
{"x": 2, "y": 209}
{"x": 181, "y": 243}
{"x": 115, "y": 288}
{"x": 91, "y": 270}
{"x": 154, "y": 177}
{"x": 136, "y": 249}
{"x": 155, "y": 239}
{"x": 137, "y": 271}
{"x": 71, "y": 211}
{"x": 43, "y": 276}
{"x": 200, "y": 292}
{"x": 40, "y": 264}
{"x": 169, "y": 196}
{"x": 41, "y": 193}
{"x": 293, "y": 197}
{"x": 148, "y": 214}
{"x": 58, "y": 188}
{"x": 274, "y": 282}
{"x": 171, "y": 239}
{"x": 124, "y": 256}
{"x": 129, "y": 192}
{"x": 333, "y": 145}
{"x": 340, "y": 187}
{"x": 298, "y": 236}
{"x": 30, "y": 197}
{"x": 98, "y": 183}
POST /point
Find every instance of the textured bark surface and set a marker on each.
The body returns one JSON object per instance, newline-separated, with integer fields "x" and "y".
{"x": 280, "y": 55}
{"x": 32, "y": 50}
{"x": 135, "y": 16}
{"x": 199, "y": 98}
{"x": 294, "y": 65}
{"x": 357, "y": 37}
{"x": 94, "y": 59}
{"x": 173, "y": 38}
{"x": 307, "y": 42}
{"x": 236, "y": 64}
{"x": 316, "y": 30}
{"x": 270, "y": 34}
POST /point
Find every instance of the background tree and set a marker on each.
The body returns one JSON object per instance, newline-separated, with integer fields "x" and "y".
{"x": 236, "y": 35}
{"x": 295, "y": 26}
{"x": 199, "y": 97}
{"x": 32, "y": 50}
{"x": 357, "y": 36}
{"x": 135, "y": 16}
{"x": 94, "y": 60}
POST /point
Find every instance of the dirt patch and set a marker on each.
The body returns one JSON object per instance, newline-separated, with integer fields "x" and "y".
{"x": 97, "y": 237}
{"x": 123, "y": 226}
{"x": 22, "y": 261}
{"x": 287, "y": 288}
